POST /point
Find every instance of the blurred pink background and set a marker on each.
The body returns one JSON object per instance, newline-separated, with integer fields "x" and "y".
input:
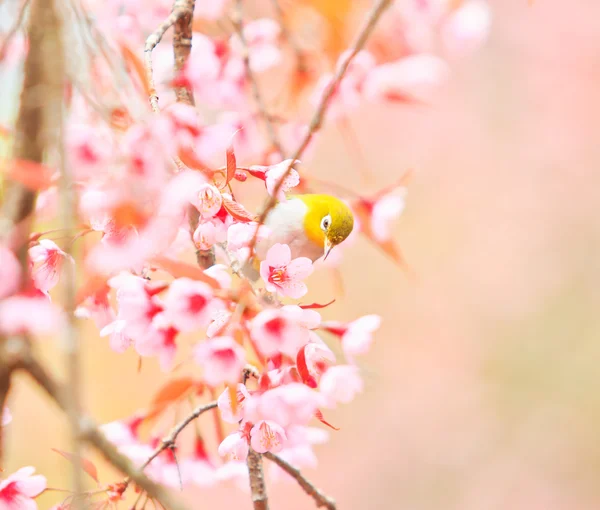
{"x": 481, "y": 388}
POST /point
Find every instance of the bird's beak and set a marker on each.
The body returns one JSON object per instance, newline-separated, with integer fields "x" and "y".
{"x": 328, "y": 248}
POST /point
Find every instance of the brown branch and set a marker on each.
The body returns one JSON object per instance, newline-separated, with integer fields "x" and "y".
{"x": 182, "y": 45}
{"x": 257, "y": 481}
{"x": 152, "y": 42}
{"x": 259, "y": 100}
{"x": 17, "y": 355}
{"x": 319, "y": 115}
{"x": 321, "y": 499}
{"x": 168, "y": 442}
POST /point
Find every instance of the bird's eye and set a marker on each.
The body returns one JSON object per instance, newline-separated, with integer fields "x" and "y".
{"x": 326, "y": 223}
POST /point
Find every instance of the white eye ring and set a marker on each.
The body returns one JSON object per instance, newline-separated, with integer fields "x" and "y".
{"x": 325, "y": 223}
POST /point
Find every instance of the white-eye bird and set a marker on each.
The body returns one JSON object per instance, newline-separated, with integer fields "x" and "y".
{"x": 310, "y": 224}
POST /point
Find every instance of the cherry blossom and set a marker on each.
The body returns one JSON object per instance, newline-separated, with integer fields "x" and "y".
{"x": 6, "y": 417}
{"x": 18, "y": 490}
{"x": 261, "y": 39}
{"x": 209, "y": 201}
{"x": 411, "y": 78}
{"x": 10, "y": 272}
{"x": 278, "y": 331}
{"x": 189, "y": 304}
{"x": 267, "y": 436}
{"x": 467, "y": 27}
{"x": 272, "y": 175}
{"x": 16, "y": 313}
{"x": 357, "y": 335}
{"x": 48, "y": 259}
{"x": 385, "y": 210}
{"x": 225, "y": 405}
{"x": 289, "y": 404}
{"x": 209, "y": 233}
{"x": 341, "y": 383}
{"x": 234, "y": 446}
{"x": 221, "y": 359}
{"x": 283, "y": 275}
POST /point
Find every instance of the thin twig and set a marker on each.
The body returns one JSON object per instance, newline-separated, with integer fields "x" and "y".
{"x": 258, "y": 488}
{"x": 151, "y": 42}
{"x": 169, "y": 440}
{"x": 319, "y": 115}
{"x": 320, "y": 499}
{"x": 258, "y": 98}
{"x": 182, "y": 46}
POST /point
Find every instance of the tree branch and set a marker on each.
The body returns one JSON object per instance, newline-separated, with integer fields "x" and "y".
{"x": 17, "y": 355}
{"x": 238, "y": 22}
{"x": 169, "y": 440}
{"x": 317, "y": 119}
{"x": 257, "y": 481}
{"x": 182, "y": 45}
{"x": 320, "y": 499}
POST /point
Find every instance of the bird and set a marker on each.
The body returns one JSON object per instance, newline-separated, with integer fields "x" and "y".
{"x": 310, "y": 224}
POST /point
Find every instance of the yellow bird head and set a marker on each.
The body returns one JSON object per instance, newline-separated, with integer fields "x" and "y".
{"x": 328, "y": 221}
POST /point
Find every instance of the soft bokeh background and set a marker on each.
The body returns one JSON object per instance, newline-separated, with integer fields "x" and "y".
{"x": 482, "y": 384}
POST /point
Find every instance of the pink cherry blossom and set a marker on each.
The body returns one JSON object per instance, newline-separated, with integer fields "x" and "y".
{"x": 159, "y": 341}
{"x": 386, "y": 210}
{"x": 234, "y": 446}
{"x": 221, "y": 359}
{"x": 278, "y": 331}
{"x": 274, "y": 173}
{"x": 210, "y": 233}
{"x": 190, "y": 304}
{"x": 239, "y": 236}
{"x": 357, "y": 335}
{"x": 413, "y": 77}
{"x": 48, "y": 259}
{"x": 267, "y": 436}
{"x": 6, "y": 417}
{"x": 467, "y": 27}
{"x": 118, "y": 340}
{"x": 341, "y": 383}
{"x": 290, "y": 404}
{"x": 16, "y": 314}
{"x": 10, "y": 272}
{"x": 198, "y": 468}
{"x": 18, "y": 490}
{"x": 220, "y": 272}
{"x": 89, "y": 149}
{"x": 283, "y": 275}
{"x": 261, "y": 39}
{"x": 97, "y": 308}
{"x": 137, "y": 304}
{"x": 209, "y": 201}
{"x": 224, "y": 404}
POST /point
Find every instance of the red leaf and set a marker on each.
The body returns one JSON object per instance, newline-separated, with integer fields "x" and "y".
{"x": 30, "y": 174}
{"x": 188, "y": 158}
{"x": 307, "y": 379}
{"x": 319, "y": 416}
{"x": 231, "y": 163}
{"x": 135, "y": 64}
{"x": 171, "y": 392}
{"x": 180, "y": 269}
{"x": 86, "y": 465}
{"x": 237, "y": 210}
{"x": 317, "y": 306}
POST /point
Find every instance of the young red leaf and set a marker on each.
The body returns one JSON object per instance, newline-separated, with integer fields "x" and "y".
{"x": 30, "y": 174}
{"x": 307, "y": 379}
{"x": 237, "y": 210}
{"x": 86, "y": 465}
{"x": 135, "y": 64}
{"x": 180, "y": 269}
{"x": 316, "y": 306}
{"x": 231, "y": 163}
{"x": 171, "y": 392}
{"x": 319, "y": 416}
{"x": 189, "y": 158}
